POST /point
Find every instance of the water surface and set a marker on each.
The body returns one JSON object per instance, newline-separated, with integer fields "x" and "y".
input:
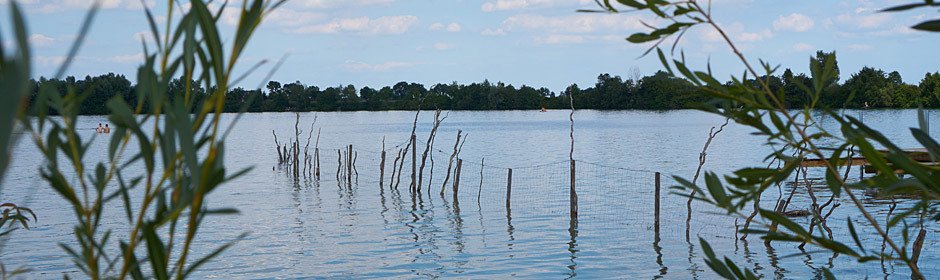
{"x": 330, "y": 229}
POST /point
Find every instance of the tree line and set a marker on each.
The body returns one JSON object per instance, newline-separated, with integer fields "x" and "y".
{"x": 868, "y": 88}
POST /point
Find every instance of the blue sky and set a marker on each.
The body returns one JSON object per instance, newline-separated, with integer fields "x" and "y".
{"x": 535, "y": 42}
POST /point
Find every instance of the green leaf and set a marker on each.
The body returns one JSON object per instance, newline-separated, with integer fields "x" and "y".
{"x": 785, "y": 222}
{"x": 638, "y": 38}
{"x": 904, "y": 7}
{"x": 854, "y": 234}
{"x": 716, "y": 190}
{"x": 662, "y": 59}
{"x": 632, "y": 4}
{"x": 212, "y": 255}
{"x": 156, "y": 252}
{"x": 930, "y": 25}
{"x": 933, "y": 148}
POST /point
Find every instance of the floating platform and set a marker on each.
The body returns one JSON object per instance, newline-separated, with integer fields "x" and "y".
{"x": 918, "y": 154}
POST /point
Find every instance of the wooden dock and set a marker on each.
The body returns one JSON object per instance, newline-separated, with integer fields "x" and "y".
{"x": 918, "y": 154}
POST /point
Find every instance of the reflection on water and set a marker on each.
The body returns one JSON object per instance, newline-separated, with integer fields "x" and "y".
{"x": 335, "y": 227}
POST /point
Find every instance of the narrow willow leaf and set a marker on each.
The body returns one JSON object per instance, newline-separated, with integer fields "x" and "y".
{"x": 933, "y": 148}
{"x": 904, "y": 7}
{"x": 212, "y": 255}
{"x": 156, "y": 252}
{"x": 785, "y": 222}
{"x": 930, "y": 25}
{"x": 854, "y": 234}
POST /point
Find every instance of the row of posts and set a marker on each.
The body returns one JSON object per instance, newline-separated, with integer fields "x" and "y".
{"x": 573, "y": 194}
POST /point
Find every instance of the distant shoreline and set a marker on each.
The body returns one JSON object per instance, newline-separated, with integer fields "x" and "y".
{"x": 869, "y": 88}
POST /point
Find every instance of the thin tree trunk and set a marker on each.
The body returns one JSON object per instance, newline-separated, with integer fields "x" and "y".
{"x": 450, "y": 162}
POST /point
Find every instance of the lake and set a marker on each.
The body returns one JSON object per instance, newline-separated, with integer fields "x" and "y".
{"x": 329, "y": 228}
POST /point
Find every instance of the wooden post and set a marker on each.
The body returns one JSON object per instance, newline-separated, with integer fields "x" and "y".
{"x": 509, "y": 189}
{"x": 297, "y": 159}
{"x": 339, "y": 165}
{"x": 457, "y": 178}
{"x": 382, "y": 171}
{"x": 316, "y": 156}
{"x": 349, "y": 155}
{"x": 414, "y": 167}
{"x": 573, "y": 196}
{"x": 656, "y": 208}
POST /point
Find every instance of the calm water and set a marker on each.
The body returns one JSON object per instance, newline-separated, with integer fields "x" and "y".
{"x": 324, "y": 228}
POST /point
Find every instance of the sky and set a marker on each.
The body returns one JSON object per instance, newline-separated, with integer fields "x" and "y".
{"x": 541, "y": 43}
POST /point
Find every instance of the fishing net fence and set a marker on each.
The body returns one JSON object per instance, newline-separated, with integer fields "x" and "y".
{"x": 639, "y": 204}
{"x": 608, "y": 198}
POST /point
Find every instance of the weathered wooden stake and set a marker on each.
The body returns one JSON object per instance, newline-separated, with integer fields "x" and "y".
{"x": 403, "y": 153}
{"x": 349, "y": 163}
{"x": 414, "y": 166}
{"x": 339, "y": 164}
{"x": 280, "y": 157}
{"x": 509, "y": 189}
{"x": 382, "y": 167}
{"x": 427, "y": 148}
{"x": 457, "y": 178}
{"x": 286, "y": 155}
{"x": 656, "y": 207}
{"x": 316, "y": 151}
{"x": 450, "y": 162}
{"x": 391, "y": 179}
{"x": 297, "y": 159}
{"x": 355, "y": 171}
{"x": 480, "y": 188}
{"x": 573, "y": 195}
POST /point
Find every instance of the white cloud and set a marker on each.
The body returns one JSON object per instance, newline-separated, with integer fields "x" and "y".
{"x": 556, "y": 39}
{"x": 755, "y": 36}
{"x": 129, "y": 58}
{"x": 898, "y": 29}
{"x": 863, "y": 20}
{"x": 49, "y": 60}
{"x": 443, "y": 46}
{"x": 290, "y": 17}
{"x": 440, "y": 46}
{"x": 64, "y": 5}
{"x": 450, "y": 27}
{"x": 493, "y": 32}
{"x": 802, "y": 47}
{"x": 21, "y": 2}
{"x": 793, "y": 22}
{"x": 39, "y": 40}
{"x": 363, "y": 25}
{"x": 337, "y": 3}
{"x": 142, "y": 36}
{"x": 358, "y": 66}
{"x": 736, "y": 31}
{"x": 578, "y": 23}
{"x": 859, "y": 47}
{"x": 560, "y": 39}
{"x": 504, "y": 5}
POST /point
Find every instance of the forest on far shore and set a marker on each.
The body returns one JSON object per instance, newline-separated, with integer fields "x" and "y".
{"x": 871, "y": 87}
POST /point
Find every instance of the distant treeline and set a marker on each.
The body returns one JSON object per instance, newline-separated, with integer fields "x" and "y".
{"x": 660, "y": 91}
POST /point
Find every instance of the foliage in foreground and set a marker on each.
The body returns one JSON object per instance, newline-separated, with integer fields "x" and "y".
{"x": 15, "y": 68}
{"x": 795, "y": 136}
{"x": 181, "y": 154}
